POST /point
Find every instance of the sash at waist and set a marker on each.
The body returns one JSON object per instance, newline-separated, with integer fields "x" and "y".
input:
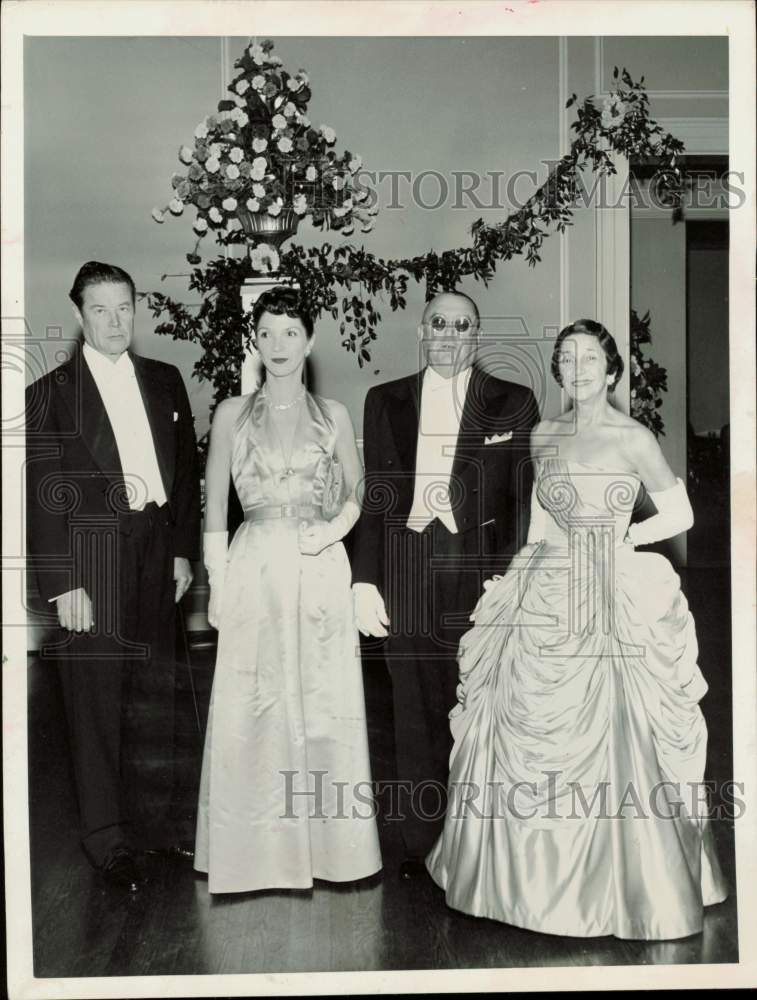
{"x": 304, "y": 512}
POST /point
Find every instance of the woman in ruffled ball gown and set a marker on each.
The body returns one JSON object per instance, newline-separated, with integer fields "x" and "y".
{"x": 575, "y": 803}
{"x": 285, "y": 788}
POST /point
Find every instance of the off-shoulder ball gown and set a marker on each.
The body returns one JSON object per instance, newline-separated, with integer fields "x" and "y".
{"x": 575, "y": 801}
{"x": 285, "y": 793}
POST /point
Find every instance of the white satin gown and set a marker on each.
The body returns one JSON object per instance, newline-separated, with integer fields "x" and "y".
{"x": 575, "y": 803}
{"x": 285, "y": 791}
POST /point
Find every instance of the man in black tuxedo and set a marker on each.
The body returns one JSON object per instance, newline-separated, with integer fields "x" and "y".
{"x": 447, "y": 488}
{"x": 113, "y": 507}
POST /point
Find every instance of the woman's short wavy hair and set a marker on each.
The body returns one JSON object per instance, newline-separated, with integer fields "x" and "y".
{"x": 590, "y": 327}
{"x": 283, "y": 301}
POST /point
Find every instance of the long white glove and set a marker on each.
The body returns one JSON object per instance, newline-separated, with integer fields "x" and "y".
{"x": 215, "y": 547}
{"x": 370, "y": 611}
{"x": 674, "y": 515}
{"x": 315, "y": 537}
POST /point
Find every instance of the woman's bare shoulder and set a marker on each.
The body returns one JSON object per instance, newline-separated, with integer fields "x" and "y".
{"x": 229, "y": 409}
{"x": 338, "y": 411}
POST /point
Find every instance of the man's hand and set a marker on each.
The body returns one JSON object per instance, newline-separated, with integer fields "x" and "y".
{"x": 75, "y": 611}
{"x": 182, "y": 574}
{"x": 370, "y": 612}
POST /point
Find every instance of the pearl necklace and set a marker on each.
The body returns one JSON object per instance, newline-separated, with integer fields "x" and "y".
{"x": 284, "y": 406}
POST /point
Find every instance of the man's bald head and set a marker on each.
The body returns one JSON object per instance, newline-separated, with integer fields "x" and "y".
{"x": 446, "y": 299}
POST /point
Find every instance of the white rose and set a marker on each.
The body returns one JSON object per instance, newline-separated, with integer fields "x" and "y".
{"x": 201, "y": 132}
{"x": 232, "y": 172}
{"x": 186, "y": 155}
{"x": 242, "y": 118}
{"x": 258, "y": 190}
{"x": 200, "y": 226}
{"x": 258, "y": 168}
{"x": 253, "y": 204}
{"x": 215, "y": 215}
{"x": 300, "y": 204}
{"x": 279, "y": 122}
{"x": 264, "y": 258}
{"x": 285, "y": 145}
{"x": 289, "y": 109}
{"x": 242, "y": 86}
{"x": 311, "y": 173}
{"x": 328, "y": 133}
{"x": 349, "y": 228}
{"x": 613, "y": 111}
{"x": 340, "y": 211}
{"x": 215, "y": 149}
{"x": 275, "y": 208}
{"x": 258, "y": 145}
{"x": 338, "y": 183}
{"x": 304, "y": 121}
{"x": 212, "y": 164}
{"x": 355, "y": 164}
{"x": 257, "y": 54}
{"x": 293, "y": 84}
{"x": 158, "y": 215}
{"x": 229, "y": 204}
{"x": 258, "y": 82}
{"x": 233, "y": 225}
{"x": 176, "y": 206}
{"x": 236, "y": 155}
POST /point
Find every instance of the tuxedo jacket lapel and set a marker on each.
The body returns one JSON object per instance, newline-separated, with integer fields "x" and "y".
{"x": 472, "y": 421}
{"x": 404, "y": 416}
{"x": 82, "y": 397}
{"x": 159, "y": 408}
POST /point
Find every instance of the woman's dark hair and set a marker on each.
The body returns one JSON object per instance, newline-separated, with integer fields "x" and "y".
{"x": 95, "y": 273}
{"x": 606, "y": 340}
{"x": 283, "y": 301}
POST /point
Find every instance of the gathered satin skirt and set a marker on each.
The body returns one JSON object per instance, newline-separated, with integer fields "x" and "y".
{"x": 576, "y": 804}
{"x": 285, "y": 792}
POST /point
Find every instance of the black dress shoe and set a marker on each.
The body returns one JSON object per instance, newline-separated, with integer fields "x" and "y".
{"x": 413, "y": 867}
{"x": 182, "y": 851}
{"x": 122, "y": 871}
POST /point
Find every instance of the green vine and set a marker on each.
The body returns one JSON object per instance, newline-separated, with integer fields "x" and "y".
{"x": 344, "y": 280}
{"x": 648, "y": 379}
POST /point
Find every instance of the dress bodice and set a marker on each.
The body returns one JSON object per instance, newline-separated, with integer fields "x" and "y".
{"x": 263, "y": 473}
{"x": 583, "y": 500}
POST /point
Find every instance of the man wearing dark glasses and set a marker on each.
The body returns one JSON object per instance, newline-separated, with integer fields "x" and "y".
{"x": 447, "y": 488}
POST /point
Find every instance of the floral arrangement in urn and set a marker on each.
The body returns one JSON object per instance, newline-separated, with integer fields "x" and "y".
{"x": 259, "y": 165}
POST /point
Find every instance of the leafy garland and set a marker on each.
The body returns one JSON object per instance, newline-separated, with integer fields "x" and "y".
{"x": 648, "y": 379}
{"x": 329, "y": 276}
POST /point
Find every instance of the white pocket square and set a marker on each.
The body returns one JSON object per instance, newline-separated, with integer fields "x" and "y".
{"x": 498, "y": 438}
{"x": 175, "y": 416}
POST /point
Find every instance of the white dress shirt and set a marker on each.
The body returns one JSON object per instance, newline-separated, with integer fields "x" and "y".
{"x": 119, "y": 389}
{"x": 442, "y": 401}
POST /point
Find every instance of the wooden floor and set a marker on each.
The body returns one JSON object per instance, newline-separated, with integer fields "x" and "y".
{"x": 174, "y": 927}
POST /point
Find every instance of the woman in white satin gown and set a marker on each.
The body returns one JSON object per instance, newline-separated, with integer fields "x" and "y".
{"x": 285, "y": 792}
{"x": 575, "y": 802}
